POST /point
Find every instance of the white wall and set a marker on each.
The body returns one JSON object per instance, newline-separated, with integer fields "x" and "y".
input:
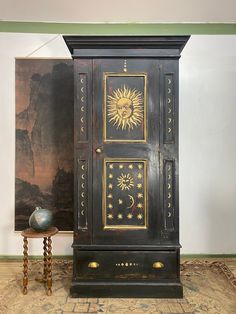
{"x": 207, "y": 142}
{"x": 103, "y": 11}
{"x": 208, "y": 145}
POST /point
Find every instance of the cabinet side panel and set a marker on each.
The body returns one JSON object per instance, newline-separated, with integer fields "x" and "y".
{"x": 83, "y": 151}
{"x": 169, "y": 187}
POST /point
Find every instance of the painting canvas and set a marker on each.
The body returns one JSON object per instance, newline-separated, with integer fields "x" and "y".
{"x": 44, "y": 140}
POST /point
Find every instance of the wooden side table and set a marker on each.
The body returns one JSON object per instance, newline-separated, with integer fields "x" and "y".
{"x": 47, "y": 256}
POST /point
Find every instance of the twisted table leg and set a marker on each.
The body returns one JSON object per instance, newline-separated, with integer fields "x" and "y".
{"x": 25, "y": 265}
{"x": 49, "y": 267}
{"x": 45, "y": 257}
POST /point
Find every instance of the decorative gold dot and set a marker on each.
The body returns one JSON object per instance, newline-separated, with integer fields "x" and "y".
{"x": 110, "y": 186}
{"x": 139, "y": 175}
{"x": 140, "y": 205}
{"x": 109, "y": 195}
{"x": 126, "y": 264}
{"x": 110, "y": 216}
{"x": 110, "y": 206}
{"x": 110, "y": 176}
{"x": 111, "y": 166}
{"x": 121, "y": 166}
{"x": 131, "y": 166}
{"x": 140, "y": 195}
{"x": 120, "y": 201}
{"x": 122, "y": 264}
{"x": 119, "y": 216}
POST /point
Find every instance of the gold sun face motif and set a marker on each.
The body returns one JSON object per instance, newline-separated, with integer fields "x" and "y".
{"x": 125, "y": 181}
{"x": 125, "y": 108}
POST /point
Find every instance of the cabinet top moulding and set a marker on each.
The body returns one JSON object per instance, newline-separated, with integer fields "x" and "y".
{"x": 122, "y": 46}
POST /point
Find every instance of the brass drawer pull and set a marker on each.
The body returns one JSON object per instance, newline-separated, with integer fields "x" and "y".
{"x": 93, "y": 265}
{"x": 158, "y": 265}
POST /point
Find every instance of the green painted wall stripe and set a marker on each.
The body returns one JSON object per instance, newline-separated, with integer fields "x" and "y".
{"x": 69, "y": 257}
{"x": 117, "y": 29}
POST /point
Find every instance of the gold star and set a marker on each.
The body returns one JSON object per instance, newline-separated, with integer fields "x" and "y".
{"x": 129, "y": 216}
{"x": 119, "y": 216}
{"x": 109, "y": 195}
{"x": 140, "y": 205}
{"x": 111, "y": 166}
{"x": 140, "y": 195}
{"x": 139, "y": 186}
{"x": 121, "y": 166}
{"x": 110, "y": 206}
{"x": 120, "y": 201}
{"x": 110, "y": 216}
{"x": 139, "y": 216}
{"x": 110, "y": 176}
{"x": 139, "y": 175}
{"x": 131, "y": 166}
{"x": 140, "y": 166}
{"x": 110, "y": 186}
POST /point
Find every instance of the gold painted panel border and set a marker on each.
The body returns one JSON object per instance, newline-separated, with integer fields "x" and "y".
{"x": 114, "y": 74}
{"x": 104, "y": 190}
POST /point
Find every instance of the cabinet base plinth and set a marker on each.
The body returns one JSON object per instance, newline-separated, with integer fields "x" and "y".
{"x": 126, "y": 290}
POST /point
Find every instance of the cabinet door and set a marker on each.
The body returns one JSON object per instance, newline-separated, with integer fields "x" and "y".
{"x": 126, "y": 158}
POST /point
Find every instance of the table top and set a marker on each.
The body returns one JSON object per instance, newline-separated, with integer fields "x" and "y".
{"x": 31, "y": 233}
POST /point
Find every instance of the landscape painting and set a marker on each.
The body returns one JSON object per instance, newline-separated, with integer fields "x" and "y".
{"x": 44, "y": 140}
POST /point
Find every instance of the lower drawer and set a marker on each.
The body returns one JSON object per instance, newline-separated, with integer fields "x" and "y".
{"x": 126, "y": 265}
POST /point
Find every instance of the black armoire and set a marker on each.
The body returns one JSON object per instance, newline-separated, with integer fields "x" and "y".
{"x": 126, "y": 216}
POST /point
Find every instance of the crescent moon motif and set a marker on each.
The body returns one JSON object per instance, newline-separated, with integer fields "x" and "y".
{"x": 132, "y": 200}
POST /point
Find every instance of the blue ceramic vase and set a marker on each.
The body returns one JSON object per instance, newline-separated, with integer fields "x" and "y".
{"x": 40, "y": 219}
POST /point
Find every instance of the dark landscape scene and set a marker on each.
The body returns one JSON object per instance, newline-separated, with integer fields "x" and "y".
{"x": 44, "y": 140}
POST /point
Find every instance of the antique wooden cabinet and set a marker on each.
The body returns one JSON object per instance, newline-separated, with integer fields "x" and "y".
{"x": 126, "y": 222}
